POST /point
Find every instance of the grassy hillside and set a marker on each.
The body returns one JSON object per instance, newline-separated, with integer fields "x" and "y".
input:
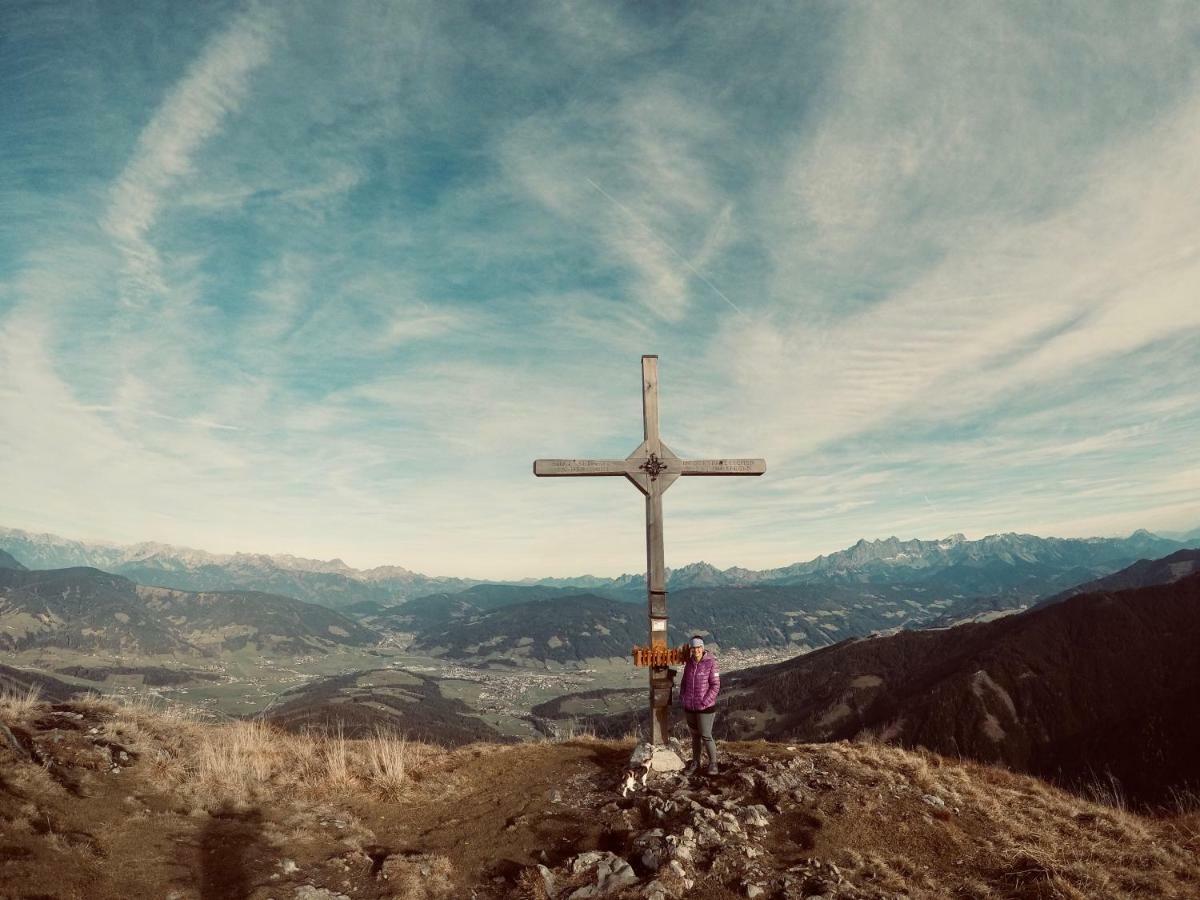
{"x": 103, "y": 802}
{"x": 361, "y": 703}
{"x": 87, "y": 609}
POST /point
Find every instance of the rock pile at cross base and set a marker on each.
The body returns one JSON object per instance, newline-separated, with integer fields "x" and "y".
{"x": 710, "y": 829}
{"x": 100, "y": 803}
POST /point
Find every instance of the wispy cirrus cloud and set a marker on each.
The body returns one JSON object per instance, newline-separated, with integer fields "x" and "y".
{"x": 213, "y": 88}
{"x": 626, "y": 171}
{"x": 329, "y": 277}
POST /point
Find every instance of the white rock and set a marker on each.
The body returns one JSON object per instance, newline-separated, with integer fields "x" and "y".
{"x": 754, "y": 890}
{"x": 665, "y": 760}
{"x": 614, "y": 875}
{"x": 288, "y": 866}
{"x": 585, "y": 861}
{"x": 547, "y": 880}
{"x": 755, "y": 817}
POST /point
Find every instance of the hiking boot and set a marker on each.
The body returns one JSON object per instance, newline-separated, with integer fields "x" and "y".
{"x": 691, "y": 768}
{"x": 712, "y": 769}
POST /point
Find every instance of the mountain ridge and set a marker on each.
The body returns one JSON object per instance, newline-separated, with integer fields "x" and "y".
{"x": 333, "y": 583}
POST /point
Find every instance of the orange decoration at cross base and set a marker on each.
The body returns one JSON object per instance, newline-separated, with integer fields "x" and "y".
{"x": 659, "y": 656}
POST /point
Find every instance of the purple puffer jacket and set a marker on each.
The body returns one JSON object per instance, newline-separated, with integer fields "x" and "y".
{"x": 701, "y": 683}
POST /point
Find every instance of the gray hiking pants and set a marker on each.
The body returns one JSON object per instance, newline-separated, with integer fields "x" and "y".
{"x": 700, "y": 725}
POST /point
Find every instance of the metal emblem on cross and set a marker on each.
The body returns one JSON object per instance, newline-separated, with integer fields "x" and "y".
{"x": 652, "y": 468}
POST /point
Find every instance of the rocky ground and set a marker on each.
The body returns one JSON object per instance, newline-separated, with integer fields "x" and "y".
{"x": 99, "y": 801}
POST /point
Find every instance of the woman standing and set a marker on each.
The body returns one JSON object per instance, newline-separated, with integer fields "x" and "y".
{"x": 698, "y": 694}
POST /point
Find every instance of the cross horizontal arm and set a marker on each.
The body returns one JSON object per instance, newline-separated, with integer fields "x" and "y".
{"x": 721, "y": 466}
{"x": 637, "y": 465}
{"x": 549, "y": 468}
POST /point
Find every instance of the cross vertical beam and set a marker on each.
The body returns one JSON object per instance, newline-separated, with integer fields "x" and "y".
{"x": 656, "y": 572}
{"x": 652, "y": 468}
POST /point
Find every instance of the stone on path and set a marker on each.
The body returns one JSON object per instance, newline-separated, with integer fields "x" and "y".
{"x": 665, "y": 760}
{"x": 547, "y": 880}
{"x": 613, "y": 874}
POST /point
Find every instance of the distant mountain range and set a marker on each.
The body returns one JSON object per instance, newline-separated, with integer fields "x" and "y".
{"x": 271, "y": 602}
{"x": 330, "y": 583}
{"x": 1014, "y": 567}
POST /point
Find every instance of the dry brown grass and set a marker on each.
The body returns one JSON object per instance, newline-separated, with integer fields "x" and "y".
{"x": 388, "y": 758}
{"x": 1025, "y": 835}
{"x": 17, "y": 704}
{"x": 252, "y": 761}
{"x": 241, "y": 762}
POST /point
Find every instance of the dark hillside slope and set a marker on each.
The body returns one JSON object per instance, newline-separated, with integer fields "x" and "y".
{"x": 18, "y": 682}
{"x": 1142, "y": 573}
{"x": 438, "y": 611}
{"x": 8, "y": 561}
{"x": 234, "y": 619}
{"x": 1101, "y": 683}
{"x": 361, "y": 704}
{"x": 80, "y": 608}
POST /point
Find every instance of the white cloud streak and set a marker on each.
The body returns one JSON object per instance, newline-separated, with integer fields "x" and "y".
{"x": 366, "y": 294}
{"x": 192, "y": 113}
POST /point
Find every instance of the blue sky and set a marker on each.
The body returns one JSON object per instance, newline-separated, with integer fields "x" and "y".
{"x": 324, "y": 278}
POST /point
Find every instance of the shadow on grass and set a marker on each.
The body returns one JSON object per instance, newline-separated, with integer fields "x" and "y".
{"x": 228, "y": 846}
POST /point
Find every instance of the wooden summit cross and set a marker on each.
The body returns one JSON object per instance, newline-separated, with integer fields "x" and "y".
{"x": 652, "y": 468}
